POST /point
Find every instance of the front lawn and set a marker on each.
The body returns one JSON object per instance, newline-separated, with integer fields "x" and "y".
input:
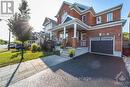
{"x": 9, "y": 57}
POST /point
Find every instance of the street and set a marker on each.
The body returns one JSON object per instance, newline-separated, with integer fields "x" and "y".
{"x": 3, "y": 46}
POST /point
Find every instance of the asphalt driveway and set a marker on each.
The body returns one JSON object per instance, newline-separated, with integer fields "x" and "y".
{"x": 88, "y": 70}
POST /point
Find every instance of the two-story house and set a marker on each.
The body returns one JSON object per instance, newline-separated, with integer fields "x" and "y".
{"x": 49, "y": 24}
{"x": 36, "y": 37}
{"x": 80, "y": 25}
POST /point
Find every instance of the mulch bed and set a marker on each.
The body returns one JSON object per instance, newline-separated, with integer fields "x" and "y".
{"x": 126, "y": 51}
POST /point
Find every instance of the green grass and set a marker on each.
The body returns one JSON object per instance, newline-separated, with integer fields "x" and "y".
{"x": 12, "y": 57}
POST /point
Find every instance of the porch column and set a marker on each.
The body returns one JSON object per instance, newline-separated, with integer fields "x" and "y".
{"x": 50, "y": 35}
{"x": 64, "y": 32}
{"x": 75, "y": 29}
{"x": 64, "y": 38}
{"x": 74, "y": 39}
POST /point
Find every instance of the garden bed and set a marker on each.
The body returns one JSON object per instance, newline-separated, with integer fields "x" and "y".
{"x": 126, "y": 51}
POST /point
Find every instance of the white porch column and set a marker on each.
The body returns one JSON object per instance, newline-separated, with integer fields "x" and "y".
{"x": 50, "y": 35}
{"x": 75, "y": 29}
{"x": 64, "y": 32}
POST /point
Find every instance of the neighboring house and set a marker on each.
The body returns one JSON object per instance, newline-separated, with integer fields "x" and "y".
{"x": 81, "y": 26}
{"x": 48, "y": 25}
{"x": 37, "y": 37}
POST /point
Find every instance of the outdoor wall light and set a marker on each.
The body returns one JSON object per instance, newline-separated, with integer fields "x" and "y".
{"x": 108, "y": 34}
{"x": 119, "y": 35}
{"x": 100, "y": 34}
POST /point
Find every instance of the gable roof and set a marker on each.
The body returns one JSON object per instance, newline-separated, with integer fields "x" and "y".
{"x": 78, "y": 7}
{"x": 81, "y": 9}
{"x": 110, "y": 9}
{"x": 48, "y": 20}
{"x": 64, "y": 2}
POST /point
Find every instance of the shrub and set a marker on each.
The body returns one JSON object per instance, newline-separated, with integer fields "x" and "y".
{"x": 48, "y": 46}
{"x": 129, "y": 42}
{"x": 38, "y": 48}
{"x": 27, "y": 47}
{"x": 34, "y": 47}
{"x": 71, "y": 52}
{"x": 57, "y": 53}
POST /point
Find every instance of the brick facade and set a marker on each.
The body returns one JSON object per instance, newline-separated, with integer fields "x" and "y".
{"x": 114, "y": 31}
{"x": 91, "y": 19}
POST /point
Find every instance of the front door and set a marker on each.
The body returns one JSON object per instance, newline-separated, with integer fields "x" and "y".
{"x": 82, "y": 39}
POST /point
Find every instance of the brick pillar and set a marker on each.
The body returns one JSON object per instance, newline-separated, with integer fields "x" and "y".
{"x": 74, "y": 42}
{"x": 64, "y": 43}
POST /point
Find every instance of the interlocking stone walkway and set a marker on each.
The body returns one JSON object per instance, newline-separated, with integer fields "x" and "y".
{"x": 27, "y": 69}
{"x": 88, "y": 70}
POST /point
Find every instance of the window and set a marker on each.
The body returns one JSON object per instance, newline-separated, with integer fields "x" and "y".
{"x": 62, "y": 35}
{"x": 98, "y": 20}
{"x": 84, "y": 18}
{"x": 109, "y": 17}
{"x": 67, "y": 19}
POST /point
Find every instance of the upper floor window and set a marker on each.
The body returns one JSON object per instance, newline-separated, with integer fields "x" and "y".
{"x": 63, "y": 16}
{"x": 84, "y": 18}
{"x": 109, "y": 17}
{"x": 98, "y": 20}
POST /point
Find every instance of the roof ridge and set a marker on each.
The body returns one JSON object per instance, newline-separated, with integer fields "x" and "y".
{"x": 117, "y": 6}
{"x": 81, "y": 4}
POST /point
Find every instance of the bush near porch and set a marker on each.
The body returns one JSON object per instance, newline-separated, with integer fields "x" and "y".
{"x": 126, "y": 51}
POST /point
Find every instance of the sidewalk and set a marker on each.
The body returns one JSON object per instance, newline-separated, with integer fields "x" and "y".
{"x": 26, "y": 69}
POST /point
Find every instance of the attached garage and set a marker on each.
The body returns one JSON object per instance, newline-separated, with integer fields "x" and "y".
{"x": 102, "y": 45}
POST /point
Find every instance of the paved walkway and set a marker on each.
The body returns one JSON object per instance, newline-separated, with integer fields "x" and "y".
{"x": 78, "y": 51}
{"x": 14, "y": 73}
{"x": 88, "y": 70}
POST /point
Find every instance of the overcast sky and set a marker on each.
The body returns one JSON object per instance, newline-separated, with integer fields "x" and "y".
{"x": 49, "y": 8}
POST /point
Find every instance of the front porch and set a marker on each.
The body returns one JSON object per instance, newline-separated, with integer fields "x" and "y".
{"x": 73, "y": 34}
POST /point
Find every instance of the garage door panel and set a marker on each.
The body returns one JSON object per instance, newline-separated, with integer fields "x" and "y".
{"x": 102, "y": 46}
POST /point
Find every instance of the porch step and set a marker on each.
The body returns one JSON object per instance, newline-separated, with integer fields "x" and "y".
{"x": 64, "y": 53}
{"x": 80, "y": 51}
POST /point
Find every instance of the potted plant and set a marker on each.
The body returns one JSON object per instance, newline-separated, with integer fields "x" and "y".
{"x": 71, "y": 52}
{"x": 61, "y": 46}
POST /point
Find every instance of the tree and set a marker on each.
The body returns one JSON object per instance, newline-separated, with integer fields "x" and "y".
{"x": 2, "y": 42}
{"x": 125, "y": 35}
{"x": 19, "y": 25}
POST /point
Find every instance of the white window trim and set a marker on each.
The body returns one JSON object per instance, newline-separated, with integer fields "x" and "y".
{"x": 108, "y": 20}
{"x": 66, "y": 17}
{"x": 83, "y": 18}
{"x": 100, "y": 20}
{"x": 63, "y": 17}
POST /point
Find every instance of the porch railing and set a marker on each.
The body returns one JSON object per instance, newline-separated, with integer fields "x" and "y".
{"x": 82, "y": 43}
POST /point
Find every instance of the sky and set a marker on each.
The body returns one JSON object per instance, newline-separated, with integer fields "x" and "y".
{"x": 49, "y": 8}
